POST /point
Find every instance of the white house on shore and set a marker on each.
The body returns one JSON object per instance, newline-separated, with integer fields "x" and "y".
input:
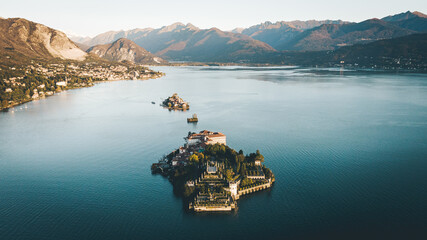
{"x": 63, "y": 83}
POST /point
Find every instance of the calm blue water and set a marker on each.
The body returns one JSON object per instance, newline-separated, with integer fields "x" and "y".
{"x": 349, "y": 151}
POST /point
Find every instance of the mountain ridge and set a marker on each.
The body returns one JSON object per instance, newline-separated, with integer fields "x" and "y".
{"x": 404, "y": 16}
{"x": 281, "y": 32}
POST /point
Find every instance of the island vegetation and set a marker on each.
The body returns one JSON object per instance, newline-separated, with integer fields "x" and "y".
{"x": 210, "y": 175}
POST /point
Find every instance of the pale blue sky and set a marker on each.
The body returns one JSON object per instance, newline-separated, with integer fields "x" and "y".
{"x": 88, "y": 18}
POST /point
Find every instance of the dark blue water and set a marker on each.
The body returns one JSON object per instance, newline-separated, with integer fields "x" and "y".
{"x": 349, "y": 151}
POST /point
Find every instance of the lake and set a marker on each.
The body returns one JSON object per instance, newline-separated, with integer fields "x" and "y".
{"x": 348, "y": 148}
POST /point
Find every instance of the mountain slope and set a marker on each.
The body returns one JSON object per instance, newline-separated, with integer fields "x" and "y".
{"x": 332, "y": 36}
{"x": 82, "y": 46}
{"x": 168, "y": 38}
{"x": 20, "y": 36}
{"x": 408, "y": 52}
{"x": 416, "y": 24}
{"x": 410, "y": 47}
{"x": 216, "y": 45}
{"x": 189, "y": 43}
{"x": 273, "y": 34}
{"x": 280, "y": 33}
{"x": 125, "y": 50}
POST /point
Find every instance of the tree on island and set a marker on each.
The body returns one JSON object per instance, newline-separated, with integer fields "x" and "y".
{"x": 246, "y": 181}
{"x": 241, "y": 157}
{"x": 197, "y": 158}
{"x": 259, "y": 156}
{"x": 229, "y": 174}
{"x": 243, "y": 170}
{"x": 194, "y": 158}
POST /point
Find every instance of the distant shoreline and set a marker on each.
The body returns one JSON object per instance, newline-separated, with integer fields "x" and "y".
{"x": 214, "y": 64}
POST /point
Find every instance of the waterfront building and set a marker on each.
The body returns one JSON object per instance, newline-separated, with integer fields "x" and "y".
{"x": 63, "y": 83}
{"x": 182, "y": 150}
{"x": 234, "y": 187}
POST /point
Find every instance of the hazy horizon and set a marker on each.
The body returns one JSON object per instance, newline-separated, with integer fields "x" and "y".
{"x": 84, "y": 18}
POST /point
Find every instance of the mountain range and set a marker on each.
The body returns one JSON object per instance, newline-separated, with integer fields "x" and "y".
{"x": 328, "y": 35}
{"x": 270, "y": 43}
{"x": 185, "y": 42}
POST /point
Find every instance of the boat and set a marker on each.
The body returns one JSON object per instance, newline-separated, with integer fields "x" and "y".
{"x": 193, "y": 119}
{"x": 153, "y": 103}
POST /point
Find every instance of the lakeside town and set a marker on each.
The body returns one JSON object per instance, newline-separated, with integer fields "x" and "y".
{"x": 211, "y": 175}
{"x": 36, "y": 80}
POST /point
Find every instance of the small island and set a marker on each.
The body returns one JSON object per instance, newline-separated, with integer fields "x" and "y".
{"x": 193, "y": 119}
{"x": 212, "y": 176}
{"x": 174, "y": 102}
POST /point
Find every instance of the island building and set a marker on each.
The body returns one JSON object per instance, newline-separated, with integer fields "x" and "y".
{"x": 234, "y": 188}
{"x": 206, "y": 137}
{"x": 63, "y": 83}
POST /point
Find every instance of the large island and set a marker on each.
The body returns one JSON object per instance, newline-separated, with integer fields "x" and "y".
{"x": 211, "y": 175}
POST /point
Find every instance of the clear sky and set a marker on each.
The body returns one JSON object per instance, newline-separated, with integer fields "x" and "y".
{"x": 91, "y": 17}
